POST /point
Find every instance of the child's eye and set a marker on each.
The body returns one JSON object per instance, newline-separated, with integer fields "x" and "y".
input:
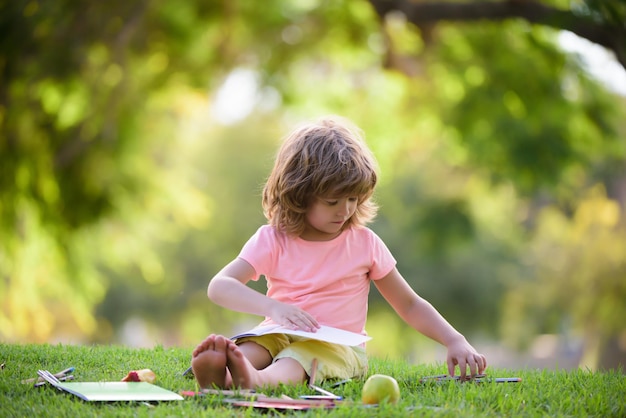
{"x": 334, "y": 202}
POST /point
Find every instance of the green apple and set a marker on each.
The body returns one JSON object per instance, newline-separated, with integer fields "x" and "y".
{"x": 380, "y": 388}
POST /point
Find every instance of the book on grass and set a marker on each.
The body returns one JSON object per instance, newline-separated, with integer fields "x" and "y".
{"x": 118, "y": 391}
{"x": 324, "y": 333}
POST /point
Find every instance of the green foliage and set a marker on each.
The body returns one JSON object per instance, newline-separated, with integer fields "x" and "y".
{"x": 610, "y": 11}
{"x": 540, "y": 392}
{"x": 122, "y": 193}
{"x": 523, "y": 112}
{"x": 80, "y": 160}
{"x": 579, "y": 267}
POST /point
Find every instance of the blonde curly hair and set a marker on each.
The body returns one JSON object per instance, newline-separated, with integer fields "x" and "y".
{"x": 326, "y": 158}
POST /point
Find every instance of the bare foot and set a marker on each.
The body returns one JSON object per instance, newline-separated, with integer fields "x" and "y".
{"x": 244, "y": 375}
{"x": 208, "y": 361}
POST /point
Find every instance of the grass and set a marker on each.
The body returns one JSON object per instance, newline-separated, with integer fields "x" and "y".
{"x": 541, "y": 393}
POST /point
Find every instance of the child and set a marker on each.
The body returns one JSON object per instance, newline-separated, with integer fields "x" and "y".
{"x": 318, "y": 258}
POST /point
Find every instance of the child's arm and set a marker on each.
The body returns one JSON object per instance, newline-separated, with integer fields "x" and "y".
{"x": 423, "y": 317}
{"x": 228, "y": 289}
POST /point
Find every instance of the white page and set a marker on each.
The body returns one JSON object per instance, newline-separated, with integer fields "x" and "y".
{"x": 325, "y": 333}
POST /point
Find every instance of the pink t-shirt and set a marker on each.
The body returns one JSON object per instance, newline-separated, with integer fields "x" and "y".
{"x": 328, "y": 279}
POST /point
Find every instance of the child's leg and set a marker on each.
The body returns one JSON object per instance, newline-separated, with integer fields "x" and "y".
{"x": 208, "y": 362}
{"x": 256, "y": 354}
{"x": 245, "y": 374}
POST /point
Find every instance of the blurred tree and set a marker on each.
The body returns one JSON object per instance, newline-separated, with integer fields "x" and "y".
{"x": 600, "y": 21}
{"x": 94, "y": 179}
{"x": 86, "y": 176}
{"x": 577, "y": 269}
{"x": 550, "y": 133}
{"x": 120, "y": 186}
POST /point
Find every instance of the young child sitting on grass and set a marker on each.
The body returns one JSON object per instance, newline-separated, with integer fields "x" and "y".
{"x": 319, "y": 259}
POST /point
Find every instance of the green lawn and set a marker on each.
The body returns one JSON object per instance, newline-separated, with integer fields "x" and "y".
{"x": 541, "y": 393}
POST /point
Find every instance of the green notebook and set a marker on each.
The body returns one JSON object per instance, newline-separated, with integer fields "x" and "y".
{"x": 118, "y": 391}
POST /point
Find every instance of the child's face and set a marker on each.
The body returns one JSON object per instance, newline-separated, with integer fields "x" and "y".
{"x": 326, "y": 217}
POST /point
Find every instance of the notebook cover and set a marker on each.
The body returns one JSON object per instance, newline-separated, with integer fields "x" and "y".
{"x": 119, "y": 391}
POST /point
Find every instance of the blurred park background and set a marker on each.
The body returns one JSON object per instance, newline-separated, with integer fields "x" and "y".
{"x": 135, "y": 137}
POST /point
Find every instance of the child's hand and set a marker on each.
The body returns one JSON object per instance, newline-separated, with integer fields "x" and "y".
{"x": 461, "y": 353}
{"x": 293, "y": 317}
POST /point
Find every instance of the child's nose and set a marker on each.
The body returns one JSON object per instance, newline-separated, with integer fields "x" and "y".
{"x": 345, "y": 208}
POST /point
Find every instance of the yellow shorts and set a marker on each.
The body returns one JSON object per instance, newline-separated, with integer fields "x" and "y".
{"x": 334, "y": 361}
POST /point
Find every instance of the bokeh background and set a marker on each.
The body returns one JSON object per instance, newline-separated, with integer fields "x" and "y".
{"x": 135, "y": 137}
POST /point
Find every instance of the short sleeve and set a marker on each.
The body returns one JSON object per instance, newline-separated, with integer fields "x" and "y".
{"x": 258, "y": 250}
{"x": 382, "y": 259}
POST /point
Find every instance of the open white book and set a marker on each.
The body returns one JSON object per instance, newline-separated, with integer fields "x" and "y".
{"x": 325, "y": 333}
